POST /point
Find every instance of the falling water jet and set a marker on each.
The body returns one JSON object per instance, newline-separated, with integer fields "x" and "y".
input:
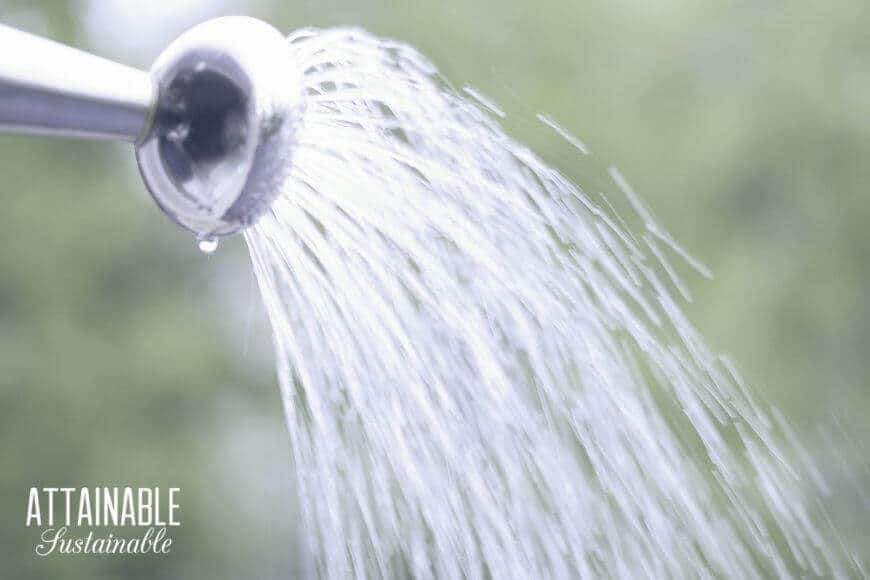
{"x": 484, "y": 373}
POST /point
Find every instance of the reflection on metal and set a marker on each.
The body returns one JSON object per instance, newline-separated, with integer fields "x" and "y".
{"x": 46, "y": 87}
{"x": 212, "y": 122}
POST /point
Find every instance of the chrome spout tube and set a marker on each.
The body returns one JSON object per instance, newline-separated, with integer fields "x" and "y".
{"x": 49, "y": 88}
{"x": 213, "y": 122}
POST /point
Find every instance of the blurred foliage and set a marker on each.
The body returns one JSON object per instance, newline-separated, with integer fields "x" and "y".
{"x": 127, "y": 357}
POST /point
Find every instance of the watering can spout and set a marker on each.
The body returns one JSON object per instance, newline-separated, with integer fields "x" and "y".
{"x": 49, "y": 88}
{"x": 212, "y": 121}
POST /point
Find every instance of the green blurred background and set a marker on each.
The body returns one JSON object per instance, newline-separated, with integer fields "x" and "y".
{"x": 127, "y": 357}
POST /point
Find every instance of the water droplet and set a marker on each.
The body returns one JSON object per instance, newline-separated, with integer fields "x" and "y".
{"x": 208, "y": 245}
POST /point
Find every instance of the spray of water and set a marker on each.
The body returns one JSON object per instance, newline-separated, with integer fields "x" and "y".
{"x": 487, "y": 375}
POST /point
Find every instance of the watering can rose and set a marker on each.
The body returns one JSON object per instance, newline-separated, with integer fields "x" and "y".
{"x": 59, "y": 509}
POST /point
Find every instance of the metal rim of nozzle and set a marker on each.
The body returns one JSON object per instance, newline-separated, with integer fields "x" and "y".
{"x": 215, "y": 152}
{"x": 212, "y": 123}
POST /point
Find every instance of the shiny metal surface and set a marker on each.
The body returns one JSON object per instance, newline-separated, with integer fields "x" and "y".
{"x": 50, "y": 88}
{"x": 218, "y": 148}
{"x": 213, "y": 122}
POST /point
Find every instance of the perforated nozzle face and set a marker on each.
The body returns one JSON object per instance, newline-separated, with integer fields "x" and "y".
{"x": 219, "y": 143}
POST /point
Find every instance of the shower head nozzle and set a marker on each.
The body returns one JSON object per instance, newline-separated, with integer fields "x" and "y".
{"x": 213, "y": 122}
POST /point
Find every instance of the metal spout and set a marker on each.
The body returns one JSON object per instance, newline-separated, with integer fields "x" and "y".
{"x": 49, "y": 88}
{"x": 212, "y": 122}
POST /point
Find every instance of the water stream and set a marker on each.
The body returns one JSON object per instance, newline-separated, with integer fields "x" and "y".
{"x": 485, "y": 373}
